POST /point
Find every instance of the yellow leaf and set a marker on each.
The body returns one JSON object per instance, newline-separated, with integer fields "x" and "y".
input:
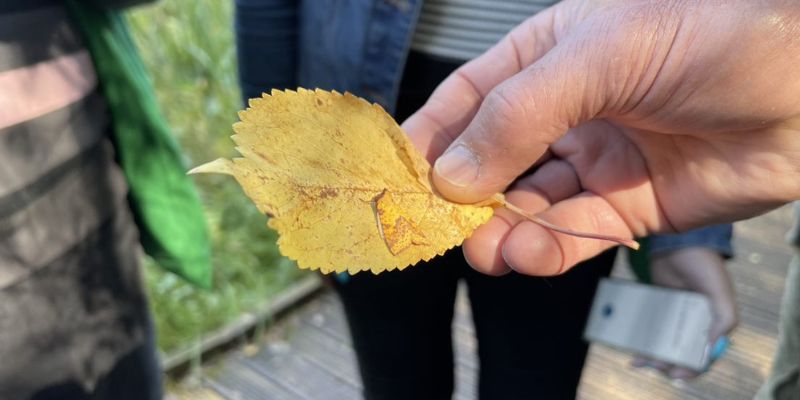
{"x": 396, "y": 229}
{"x": 346, "y": 189}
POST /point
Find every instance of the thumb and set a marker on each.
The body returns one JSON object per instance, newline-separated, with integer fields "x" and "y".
{"x": 520, "y": 117}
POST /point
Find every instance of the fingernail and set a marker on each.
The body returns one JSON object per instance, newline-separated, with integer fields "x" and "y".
{"x": 719, "y": 348}
{"x": 505, "y": 259}
{"x": 458, "y": 166}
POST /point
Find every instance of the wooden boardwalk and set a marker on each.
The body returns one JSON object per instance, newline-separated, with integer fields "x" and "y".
{"x": 308, "y": 355}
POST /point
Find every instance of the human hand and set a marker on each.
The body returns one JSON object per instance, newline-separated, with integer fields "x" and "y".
{"x": 701, "y": 270}
{"x": 642, "y": 117}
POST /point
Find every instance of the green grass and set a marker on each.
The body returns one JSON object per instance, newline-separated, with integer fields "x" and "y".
{"x": 189, "y": 50}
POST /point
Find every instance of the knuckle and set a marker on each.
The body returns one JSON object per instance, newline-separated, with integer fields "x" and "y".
{"x": 506, "y": 119}
{"x": 503, "y": 105}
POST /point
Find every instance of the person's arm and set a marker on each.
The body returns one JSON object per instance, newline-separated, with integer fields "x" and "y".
{"x": 645, "y": 117}
{"x": 266, "y": 44}
{"x": 695, "y": 261}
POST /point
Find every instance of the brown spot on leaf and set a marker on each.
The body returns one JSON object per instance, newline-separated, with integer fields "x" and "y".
{"x": 328, "y": 193}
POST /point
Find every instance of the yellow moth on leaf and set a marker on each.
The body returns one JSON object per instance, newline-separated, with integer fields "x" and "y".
{"x": 345, "y": 188}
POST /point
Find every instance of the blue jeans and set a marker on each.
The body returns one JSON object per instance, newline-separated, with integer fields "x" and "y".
{"x": 715, "y": 237}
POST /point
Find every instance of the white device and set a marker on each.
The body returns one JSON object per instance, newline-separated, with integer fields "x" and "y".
{"x": 665, "y": 324}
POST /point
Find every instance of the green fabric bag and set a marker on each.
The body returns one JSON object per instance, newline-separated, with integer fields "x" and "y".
{"x": 163, "y": 199}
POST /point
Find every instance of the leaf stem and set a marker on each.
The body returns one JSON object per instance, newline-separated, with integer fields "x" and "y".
{"x": 626, "y": 242}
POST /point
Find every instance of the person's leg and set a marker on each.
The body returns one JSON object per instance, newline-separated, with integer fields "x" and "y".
{"x": 400, "y": 324}
{"x": 400, "y": 321}
{"x": 783, "y": 382}
{"x": 530, "y": 330}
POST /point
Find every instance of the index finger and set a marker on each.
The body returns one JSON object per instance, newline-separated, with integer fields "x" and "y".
{"x": 456, "y": 100}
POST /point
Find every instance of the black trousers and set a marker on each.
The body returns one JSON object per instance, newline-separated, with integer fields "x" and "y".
{"x": 529, "y": 329}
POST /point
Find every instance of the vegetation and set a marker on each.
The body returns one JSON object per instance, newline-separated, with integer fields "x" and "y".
{"x": 188, "y": 47}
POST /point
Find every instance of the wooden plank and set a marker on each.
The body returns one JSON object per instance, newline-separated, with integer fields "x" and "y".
{"x": 466, "y": 348}
{"x": 769, "y": 228}
{"x": 194, "y": 393}
{"x": 337, "y": 357}
{"x": 466, "y": 382}
{"x": 608, "y": 376}
{"x": 608, "y": 368}
{"x": 236, "y": 382}
{"x": 736, "y": 376}
{"x": 328, "y": 316}
{"x": 243, "y": 323}
{"x": 771, "y": 261}
{"x": 296, "y": 374}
